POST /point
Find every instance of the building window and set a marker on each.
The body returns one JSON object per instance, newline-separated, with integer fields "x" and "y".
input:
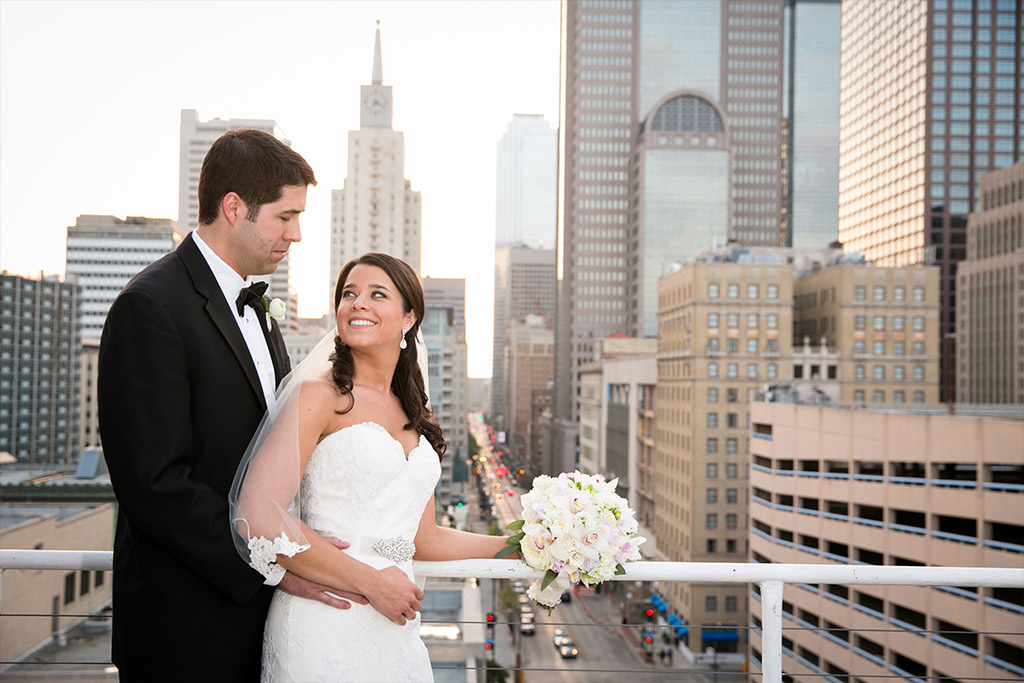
{"x": 752, "y": 346}
{"x": 918, "y": 348}
{"x": 710, "y": 603}
{"x": 899, "y": 293}
{"x": 99, "y": 579}
{"x": 731, "y": 471}
{"x": 733, "y": 320}
{"x": 772, "y": 291}
{"x": 898, "y": 397}
{"x": 711, "y": 545}
{"x": 879, "y": 372}
{"x": 732, "y": 345}
{"x": 712, "y": 290}
{"x": 732, "y": 420}
{"x": 772, "y": 371}
{"x": 712, "y": 369}
{"x": 879, "y": 322}
{"x": 712, "y": 420}
{"x": 918, "y": 323}
{"x": 712, "y": 394}
{"x": 898, "y": 348}
{"x": 730, "y": 445}
{"x": 712, "y": 496}
{"x": 858, "y": 371}
{"x": 918, "y": 397}
{"x": 712, "y": 521}
{"x": 731, "y": 496}
{"x": 899, "y": 372}
{"x": 713, "y": 344}
{"x": 878, "y": 348}
{"x": 730, "y": 546}
{"x": 712, "y": 470}
{"x": 858, "y": 396}
{"x": 712, "y": 320}
{"x": 918, "y": 294}
{"x": 859, "y": 293}
{"x": 879, "y": 396}
{"x": 859, "y": 322}
{"x": 918, "y": 373}
{"x": 730, "y": 521}
{"x": 773, "y": 321}
{"x": 732, "y": 291}
{"x": 69, "y": 588}
{"x": 897, "y": 323}
{"x": 751, "y": 321}
{"x": 879, "y": 293}
{"x": 732, "y": 370}
{"x": 752, "y": 291}
{"x": 751, "y": 370}
{"x": 712, "y": 445}
{"x": 730, "y": 603}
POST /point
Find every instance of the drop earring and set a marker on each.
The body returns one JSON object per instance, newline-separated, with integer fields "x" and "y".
{"x": 403, "y": 344}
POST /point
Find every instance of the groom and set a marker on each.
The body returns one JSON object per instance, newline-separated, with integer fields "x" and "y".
{"x": 188, "y": 364}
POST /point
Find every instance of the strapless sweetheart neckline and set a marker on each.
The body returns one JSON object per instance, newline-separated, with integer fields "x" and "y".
{"x": 370, "y": 423}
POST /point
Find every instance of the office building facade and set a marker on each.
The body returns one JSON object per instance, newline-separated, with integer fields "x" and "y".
{"x": 377, "y": 209}
{"x": 930, "y": 102}
{"x": 990, "y": 305}
{"x": 831, "y": 485}
{"x": 105, "y": 252}
{"x": 40, "y": 352}
{"x": 524, "y": 285}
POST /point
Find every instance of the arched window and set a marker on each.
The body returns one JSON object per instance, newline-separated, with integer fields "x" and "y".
{"x": 687, "y": 113}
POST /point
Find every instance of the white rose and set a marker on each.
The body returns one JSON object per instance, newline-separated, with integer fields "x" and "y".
{"x": 276, "y": 309}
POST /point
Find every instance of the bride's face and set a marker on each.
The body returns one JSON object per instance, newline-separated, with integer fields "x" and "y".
{"x": 370, "y": 312}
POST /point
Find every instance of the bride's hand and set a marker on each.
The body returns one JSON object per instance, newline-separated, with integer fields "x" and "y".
{"x": 395, "y": 596}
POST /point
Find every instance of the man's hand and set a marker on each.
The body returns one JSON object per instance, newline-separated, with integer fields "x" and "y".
{"x": 300, "y": 587}
{"x": 395, "y": 596}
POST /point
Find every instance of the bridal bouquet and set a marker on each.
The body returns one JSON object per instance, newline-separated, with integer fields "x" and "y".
{"x": 576, "y": 529}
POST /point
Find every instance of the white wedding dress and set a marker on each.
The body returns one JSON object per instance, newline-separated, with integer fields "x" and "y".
{"x": 360, "y": 487}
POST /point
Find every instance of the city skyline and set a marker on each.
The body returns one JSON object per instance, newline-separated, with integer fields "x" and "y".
{"x": 89, "y": 117}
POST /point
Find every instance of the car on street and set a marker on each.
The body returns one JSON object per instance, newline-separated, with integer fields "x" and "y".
{"x": 568, "y": 650}
{"x": 561, "y": 637}
{"x": 527, "y": 626}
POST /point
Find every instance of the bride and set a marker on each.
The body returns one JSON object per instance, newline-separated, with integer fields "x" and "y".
{"x": 351, "y": 451}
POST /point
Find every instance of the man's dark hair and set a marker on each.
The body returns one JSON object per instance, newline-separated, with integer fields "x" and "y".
{"x": 254, "y": 165}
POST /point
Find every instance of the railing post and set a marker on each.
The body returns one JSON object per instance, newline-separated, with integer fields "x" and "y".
{"x": 771, "y": 632}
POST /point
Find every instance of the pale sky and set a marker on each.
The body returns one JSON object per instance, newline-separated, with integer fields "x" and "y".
{"x": 91, "y": 95}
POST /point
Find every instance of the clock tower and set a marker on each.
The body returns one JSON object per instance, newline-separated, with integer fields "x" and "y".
{"x": 375, "y": 99}
{"x": 377, "y": 209}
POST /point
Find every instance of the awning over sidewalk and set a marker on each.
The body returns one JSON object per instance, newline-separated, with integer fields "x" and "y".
{"x": 658, "y": 603}
{"x": 721, "y": 636}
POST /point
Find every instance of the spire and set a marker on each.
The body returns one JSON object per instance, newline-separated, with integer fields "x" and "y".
{"x": 378, "y": 77}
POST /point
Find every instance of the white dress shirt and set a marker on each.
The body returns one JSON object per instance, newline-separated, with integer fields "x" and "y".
{"x": 231, "y": 284}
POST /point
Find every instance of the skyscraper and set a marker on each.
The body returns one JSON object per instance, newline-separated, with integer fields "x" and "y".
{"x": 39, "y": 368}
{"x": 526, "y": 190}
{"x": 524, "y": 284}
{"x": 930, "y": 101}
{"x": 105, "y": 252}
{"x": 377, "y": 209}
{"x": 195, "y": 140}
{"x": 676, "y": 134}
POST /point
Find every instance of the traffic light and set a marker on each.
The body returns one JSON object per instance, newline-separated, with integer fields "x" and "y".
{"x": 490, "y": 617}
{"x": 648, "y": 638}
{"x": 489, "y": 645}
{"x": 650, "y": 614}
{"x": 460, "y": 504}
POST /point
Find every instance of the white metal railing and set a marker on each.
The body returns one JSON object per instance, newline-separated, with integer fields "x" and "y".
{"x": 770, "y": 577}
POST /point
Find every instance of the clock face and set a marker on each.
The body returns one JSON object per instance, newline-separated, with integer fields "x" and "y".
{"x": 375, "y": 103}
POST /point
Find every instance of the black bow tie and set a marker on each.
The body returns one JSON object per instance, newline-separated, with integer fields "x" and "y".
{"x": 251, "y": 296}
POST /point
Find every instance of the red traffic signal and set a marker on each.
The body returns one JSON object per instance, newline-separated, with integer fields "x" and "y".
{"x": 648, "y": 638}
{"x": 650, "y": 613}
{"x": 489, "y": 645}
{"x": 490, "y": 617}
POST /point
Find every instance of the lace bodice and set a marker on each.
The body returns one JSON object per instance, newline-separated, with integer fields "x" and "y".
{"x": 358, "y": 482}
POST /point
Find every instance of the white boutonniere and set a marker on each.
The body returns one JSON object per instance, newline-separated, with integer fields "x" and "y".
{"x": 275, "y": 309}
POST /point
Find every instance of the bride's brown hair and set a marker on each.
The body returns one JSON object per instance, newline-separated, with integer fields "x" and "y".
{"x": 407, "y": 381}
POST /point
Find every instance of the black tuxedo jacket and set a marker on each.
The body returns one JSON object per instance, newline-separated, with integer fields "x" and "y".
{"x": 179, "y": 400}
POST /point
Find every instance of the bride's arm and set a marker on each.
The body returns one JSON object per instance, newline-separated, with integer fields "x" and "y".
{"x": 435, "y": 543}
{"x": 271, "y": 483}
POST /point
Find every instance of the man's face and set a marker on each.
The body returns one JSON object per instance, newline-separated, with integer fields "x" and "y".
{"x": 260, "y": 244}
